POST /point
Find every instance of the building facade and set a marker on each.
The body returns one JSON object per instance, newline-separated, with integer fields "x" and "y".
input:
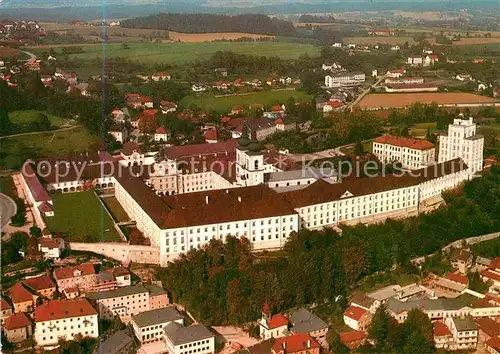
{"x": 411, "y": 153}
{"x": 123, "y": 302}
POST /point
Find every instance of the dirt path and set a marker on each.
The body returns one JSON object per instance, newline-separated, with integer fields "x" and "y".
{"x": 48, "y": 131}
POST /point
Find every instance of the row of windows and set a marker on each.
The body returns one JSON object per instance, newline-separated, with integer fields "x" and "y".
{"x": 195, "y": 344}
{"x": 86, "y": 333}
{"x": 51, "y": 323}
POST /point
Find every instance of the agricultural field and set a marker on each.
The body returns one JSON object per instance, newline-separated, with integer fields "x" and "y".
{"x": 225, "y": 103}
{"x": 378, "y": 40}
{"x": 95, "y": 225}
{"x": 207, "y": 37}
{"x": 399, "y": 100}
{"x": 15, "y": 150}
{"x": 181, "y": 53}
{"x": 24, "y": 118}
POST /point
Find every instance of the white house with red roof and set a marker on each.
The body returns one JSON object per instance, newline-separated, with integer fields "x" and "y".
{"x": 295, "y": 344}
{"x": 356, "y": 317}
{"x": 168, "y": 107}
{"x": 64, "y": 319}
{"x": 161, "y": 76}
{"x": 52, "y": 248}
{"x": 431, "y": 59}
{"x": 272, "y": 326}
{"x": 133, "y": 100}
{"x": 147, "y": 102}
{"x": 353, "y": 339}
{"x": 332, "y": 104}
{"x": 411, "y": 153}
{"x": 492, "y": 274}
{"x": 396, "y": 73}
{"x": 162, "y": 134}
{"x": 210, "y": 136}
{"x": 442, "y": 335}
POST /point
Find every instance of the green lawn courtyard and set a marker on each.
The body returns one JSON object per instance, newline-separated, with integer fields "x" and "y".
{"x": 81, "y": 217}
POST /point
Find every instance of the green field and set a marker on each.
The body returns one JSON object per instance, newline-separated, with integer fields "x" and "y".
{"x": 81, "y": 217}
{"x": 15, "y": 150}
{"x": 24, "y": 118}
{"x": 181, "y": 53}
{"x": 210, "y": 102}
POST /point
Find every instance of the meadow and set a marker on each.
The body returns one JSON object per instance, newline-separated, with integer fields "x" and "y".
{"x": 225, "y": 103}
{"x": 181, "y": 53}
{"x": 16, "y": 149}
{"x": 391, "y": 40}
{"x": 24, "y": 118}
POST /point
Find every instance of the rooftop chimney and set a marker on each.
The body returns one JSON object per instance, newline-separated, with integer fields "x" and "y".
{"x": 206, "y": 199}
{"x": 309, "y": 343}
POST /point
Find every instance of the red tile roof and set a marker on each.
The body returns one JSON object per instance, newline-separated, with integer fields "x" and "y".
{"x": 404, "y": 142}
{"x": 398, "y": 71}
{"x": 149, "y": 112}
{"x": 294, "y": 343}
{"x": 68, "y": 272}
{"x": 433, "y": 57}
{"x": 489, "y": 326}
{"x": 276, "y": 108}
{"x": 161, "y": 130}
{"x": 129, "y": 148}
{"x": 354, "y": 312}
{"x": 45, "y": 207}
{"x": 277, "y": 320}
{"x": 19, "y": 294}
{"x": 440, "y": 329}
{"x": 411, "y": 86}
{"x": 60, "y": 309}
{"x": 16, "y": 321}
{"x": 146, "y": 99}
{"x": 335, "y": 103}
{"x": 225, "y": 119}
{"x": 279, "y": 121}
{"x": 491, "y": 275}
{"x": 494, "y": 343}
{"x": 177, "y": 152}
{"x": 4, "y": 304}
{"x": 210, "y": 134}
{"x": 39, "y": 192}
{"x": 495, "y": 263}
{"x": 458, "y": 278}
{"x": 40, "y": 283}
{"x": 352, "y": 336}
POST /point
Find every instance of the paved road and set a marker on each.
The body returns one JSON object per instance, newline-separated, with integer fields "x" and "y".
{"x": 8, "y": 209}
{"x": 32, "y": 56}
{"x": 365, "y": 92}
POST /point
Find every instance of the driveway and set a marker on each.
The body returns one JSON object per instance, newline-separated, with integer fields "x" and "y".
{"x": 8, "y": 209}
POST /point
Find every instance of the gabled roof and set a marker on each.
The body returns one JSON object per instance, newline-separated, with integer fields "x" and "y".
{"x": 460, "y": 255}
{"x": 440, "y": 329}
{"x": 495, "y": 263}
{"x": 45, "y": 208}
{"x": 489, "y": 326}
{"x": 40, "y": 283}
{"x": 156, "y": 317}
{"x": 494, "y": 343}
{"x": 352, "y": 336}
{"x": 458, "y": 278}
{"x": 161, "y": 130}
{"x": 179, "y": 334}
{"x": 210, "y": 134}
{"x": 16, "y": 321}
{"x": 417, "y": 144}
{"x": 304, "y": 321}
{"x": 354, "y": 312}
{"x": 278, "y": 320}
{"x": 39, "y": 192}
{"x": 4, "y": 305}
{"x": 129, "y": 148}
{"x": 294, "y": 344}
{"x": 19, "y": 294}
{"x": 69, "y": 272}
{"x": 60, "y": 309}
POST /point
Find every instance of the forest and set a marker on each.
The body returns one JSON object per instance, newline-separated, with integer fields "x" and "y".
{"x": 224, "y": 283}
{"x": 210, "y": 23}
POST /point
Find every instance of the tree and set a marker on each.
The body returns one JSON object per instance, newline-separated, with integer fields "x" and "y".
{"x": 334, "y": 343}
{"x": 43, "y": 122}
{"x": 404, "y": 131}
{"x": 5, "y": 123}
{"x": 358, "y": 148}
{"x": 125, "y": 46}
{"x": 35, "y": 231}
{"x": 354, "y": 262}
{"x": 476, "y": 283}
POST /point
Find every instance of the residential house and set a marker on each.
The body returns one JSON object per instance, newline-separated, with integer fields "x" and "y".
{"x": 148, "y": 326}
{"x": 221, "y": 71}
{"x": 161, "y": 76}
{"x": 357, "y": 318}
{"x": 492, "y": 275}
{"x": 270, "y": 81}
{"x": 488, "y": 328}
{"x": 464, "y": 331}
{"x": 65, "y": 319}
{"x": 396, "y": 73}
{"x": 463, "y": 77}
{"x": 133, "y": 100}
{"x": 493, "y": 345}
{"x": 331, "y": 67}
{"x": 332, "y": 104}
{"x": 52, "y": 248}
{"x": 162, "y": 134}
{"x": 285, "y": 80}
{"x": 118, "y": 115}
{"x": 124, "y": 302}
{"x": 303, "y": 321}
{"x": 196, "y": 338}
{"x": 415, "y": 61}
{"x": 295, "y": 344}
{"x": 158, "y": 297}
{"x": 132, "y": 154}
{"x": 46, "y": 79}
{"x": 42, "y": 285}
{"x": 482, "y": 263}
{"x": 442, "y": 335}
{"x": 72, "y": 78}
{"x": 122, "y": 276}
{"x": 168, "y": 107}
{"x": 119, "y": 132}
{"x": 121, "y": 342}
{"x": 147, "y": 102}
{"x": 22, "y": 299}
{"x": 104, "y": 281}
{"x": 272, "y": 326}
{"x": 81, "y": 276}
{"x": 239, "y": 82}
{"x": 360, "y": 299}
{"x": 33, "y": 64}
{"x": 353, "y": 339}
{"x": 238, "y": 109}
{"x": 461, "y": 259}
{"x": 255, "y": 83}
{"x": 17, "y": 328}
{"x": 6, "y": 309}
{"x": 210, "y": 136}
{"x": 221, "y": 85}
{"x": 71, "y": 293}
{"x": 198, "y": 88}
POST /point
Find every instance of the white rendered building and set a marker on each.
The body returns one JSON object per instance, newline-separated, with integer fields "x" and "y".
{"x": 64, "y": 319}
{"x": 411, "y": 153}
{"x": 462, "y": 141}
{"x": 344, "y": 79}
{"x": 124, "y": 302}
{"x": 185, "y": 340}
{"x": 148, "y": 326}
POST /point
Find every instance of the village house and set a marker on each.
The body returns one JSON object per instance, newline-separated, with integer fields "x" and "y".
{"x": 158, "y": 297}
{"x": 285, "y": 80}
{"x": 238, "y": 109}
{"x": 104, "y": 281}
{"x": 396, "y": 73}
{"x": 464, "y": 331}
{"x": 148, "y": 326}
{"x": 442, "y": 335}
{"x": 295, "y": 344}
{"x": 133, "y": 100}
{"x": 33, "y": 64}
{"x": 239, "y": 82}
{"x": 17, "y": 328}
{"x": 119, "y": 132}
{"x": 221, "y": 71}
{"x": 210, "y": 136}
{"x": 357, "y": 318}
{"x": 431, "y": 59}
{"x": 415, "y": 61}
{"x": 161, "y": 76}
{"x": 332, "y": 104}
{"x": 461, "y": 259}
{"x": 492, "y": 274}
{"x": 64, "y": 319}
{"x": 22, "y": 299}
{"x": 52, "y": 248}
{"x": 6, "y": 309}
{"x": 353, "y": 339}
{"x": 162, "y": 134}
{"x": 41, "y": 285}
{"x": 488, "y": 329}
{"x": 272, "y": 326}
{"x": 303, "y": 321}
{"x": 81, "y": 276}
{"x": 118, "y": 115}
{"x": 168, "y": 107}
{"x": 463, "y": 77}
{"x": 147, "y": 102}
{"x": 122, "y": 276}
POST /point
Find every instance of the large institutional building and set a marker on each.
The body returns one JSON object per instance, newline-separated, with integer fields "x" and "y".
{"x": 184, "y": 196}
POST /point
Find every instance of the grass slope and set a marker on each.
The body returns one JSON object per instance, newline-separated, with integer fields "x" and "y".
{"x": 209, "y": 101}
{"x": 15, "y": 150}
{"x": 81, "y": 217}
{"x": 23, "y": 118}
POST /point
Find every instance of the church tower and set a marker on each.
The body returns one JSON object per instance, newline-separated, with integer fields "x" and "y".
{"x": 249, "y": 159}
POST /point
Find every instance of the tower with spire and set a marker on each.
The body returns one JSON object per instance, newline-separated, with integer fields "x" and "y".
{"x": 249, "y": 159}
